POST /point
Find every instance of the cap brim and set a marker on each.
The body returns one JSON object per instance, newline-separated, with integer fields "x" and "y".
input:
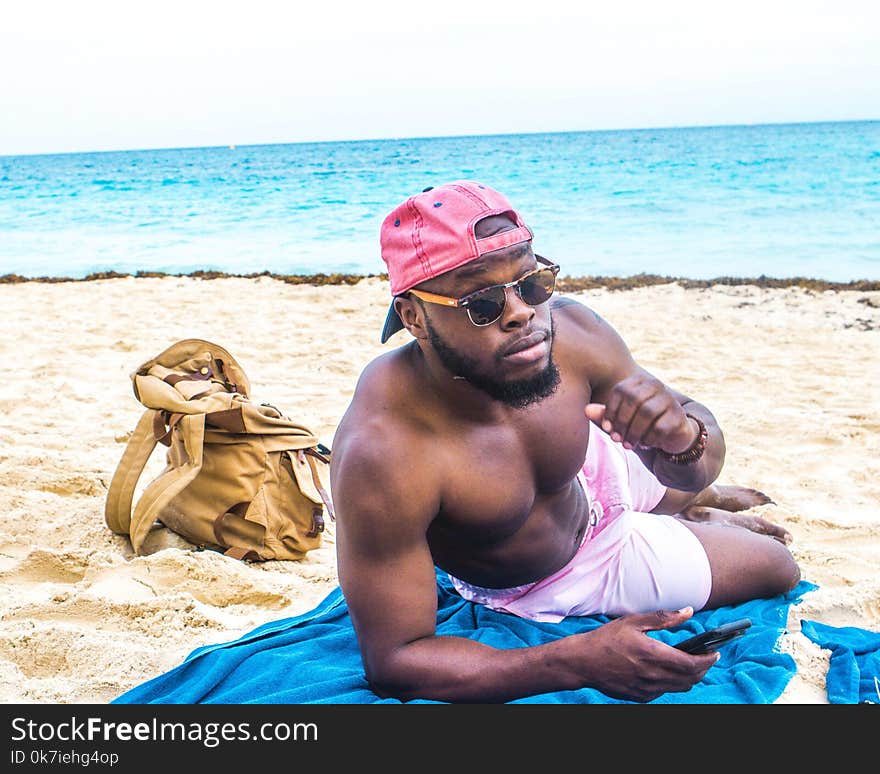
{"x": 392, "y": 324}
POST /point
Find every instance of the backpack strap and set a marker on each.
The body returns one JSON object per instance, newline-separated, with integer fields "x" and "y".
{"x": 164, "y": 488}
{"x": 232, "y": 549}
{"x": 117, "y": 510}
{"x": 316, "y": 478}
{"x": 117, "y": 507}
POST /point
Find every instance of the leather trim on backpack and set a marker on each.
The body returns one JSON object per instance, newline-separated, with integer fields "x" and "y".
{"x": 319, "y": 486}
{"x": 239, "y": 552}
{"x": 236, "y": 552}
{"x": 317, "y": 522}
{"x": 229, "y": 419}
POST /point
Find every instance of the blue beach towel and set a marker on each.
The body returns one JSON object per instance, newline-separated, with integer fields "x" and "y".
{"x": 854, "y": 670}
{"x": 313, "y": 658}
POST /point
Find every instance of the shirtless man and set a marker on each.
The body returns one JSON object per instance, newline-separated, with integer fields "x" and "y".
{"x": 514, "y": 443}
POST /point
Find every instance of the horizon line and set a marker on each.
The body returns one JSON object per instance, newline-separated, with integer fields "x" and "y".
{"x": 568, "y": 283}
{"x": 235, "y": 146}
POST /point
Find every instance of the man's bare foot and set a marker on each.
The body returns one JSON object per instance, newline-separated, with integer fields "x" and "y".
{"x": 731, "y": 498}
{"x": 705, "y": 514}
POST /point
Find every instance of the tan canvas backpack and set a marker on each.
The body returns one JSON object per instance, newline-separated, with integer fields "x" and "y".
{"x": 241, "y": 478}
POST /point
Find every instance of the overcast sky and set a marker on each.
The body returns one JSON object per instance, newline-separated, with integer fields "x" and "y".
{"x": 105, "y": 75}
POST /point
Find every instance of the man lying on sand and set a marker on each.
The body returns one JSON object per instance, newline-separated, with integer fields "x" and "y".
{"x": 515, "y": 444}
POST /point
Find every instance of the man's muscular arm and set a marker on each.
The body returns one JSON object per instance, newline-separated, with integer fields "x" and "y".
{"x": 695, "y": 476}
{"x": 637, "y": 409}
{"x": 384, "y": 504}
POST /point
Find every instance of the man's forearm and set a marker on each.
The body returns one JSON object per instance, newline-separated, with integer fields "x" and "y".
{"x": 694, "y": 476}
{"x": 457, "y": 669}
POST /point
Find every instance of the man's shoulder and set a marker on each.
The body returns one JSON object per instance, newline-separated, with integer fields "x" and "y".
{"x": 387, "y": 380}
{"x": 585, "y": 344}
{"x": 382, "y": 452}
{"x": 578, "y": 326}
{"x": 383, "y": 412}
{"x": 576, "y": 311}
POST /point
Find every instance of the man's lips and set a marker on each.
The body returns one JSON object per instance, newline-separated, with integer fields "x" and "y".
{"x": 525, "y": 343}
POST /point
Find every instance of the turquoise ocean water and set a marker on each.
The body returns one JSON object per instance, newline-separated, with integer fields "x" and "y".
{"x": 793, "y": 200}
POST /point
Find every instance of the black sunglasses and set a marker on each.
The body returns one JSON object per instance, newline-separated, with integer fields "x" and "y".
{"x": 486, "y": 305}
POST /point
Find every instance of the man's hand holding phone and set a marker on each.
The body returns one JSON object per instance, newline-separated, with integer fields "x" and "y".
{"x": 714, "y": 638}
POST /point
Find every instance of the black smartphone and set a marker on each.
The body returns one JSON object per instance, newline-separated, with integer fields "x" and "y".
{"x": 710, "y": 640}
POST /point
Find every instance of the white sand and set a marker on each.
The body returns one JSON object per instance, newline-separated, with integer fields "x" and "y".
{"x": 791, "y": 375}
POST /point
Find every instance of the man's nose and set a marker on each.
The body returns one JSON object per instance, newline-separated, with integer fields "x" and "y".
{"x": 516, "y": 311}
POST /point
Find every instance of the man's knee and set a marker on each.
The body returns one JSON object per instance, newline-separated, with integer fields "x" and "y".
{"x": 785, "y": 571}
{"x": 775, "y": 571}
{"x": 745, "y": 565}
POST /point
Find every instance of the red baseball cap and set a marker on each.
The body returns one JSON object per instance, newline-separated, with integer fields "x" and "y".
{"x": 432, "y": 233}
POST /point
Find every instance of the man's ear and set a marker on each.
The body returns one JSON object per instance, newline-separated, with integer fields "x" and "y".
{"x": 412, "y": 315}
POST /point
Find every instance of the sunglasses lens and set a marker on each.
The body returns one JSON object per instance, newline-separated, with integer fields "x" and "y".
{"x": 486, "y": 307}
{"x": 538, "y": 288}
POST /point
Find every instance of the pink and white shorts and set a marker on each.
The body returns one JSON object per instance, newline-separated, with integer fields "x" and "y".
{"x": 630, "y": 560}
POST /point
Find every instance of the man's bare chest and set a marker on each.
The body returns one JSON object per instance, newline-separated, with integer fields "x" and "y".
{"x": 498, "y": 475}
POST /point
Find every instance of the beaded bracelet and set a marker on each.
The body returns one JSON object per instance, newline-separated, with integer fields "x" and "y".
{"x": 696, "y": 449}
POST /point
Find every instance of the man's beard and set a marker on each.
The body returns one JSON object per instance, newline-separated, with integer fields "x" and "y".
{"x": 517, "y": 393}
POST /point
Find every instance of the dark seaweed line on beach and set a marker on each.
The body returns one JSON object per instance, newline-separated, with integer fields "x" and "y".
{"x": 564, "y": 285}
